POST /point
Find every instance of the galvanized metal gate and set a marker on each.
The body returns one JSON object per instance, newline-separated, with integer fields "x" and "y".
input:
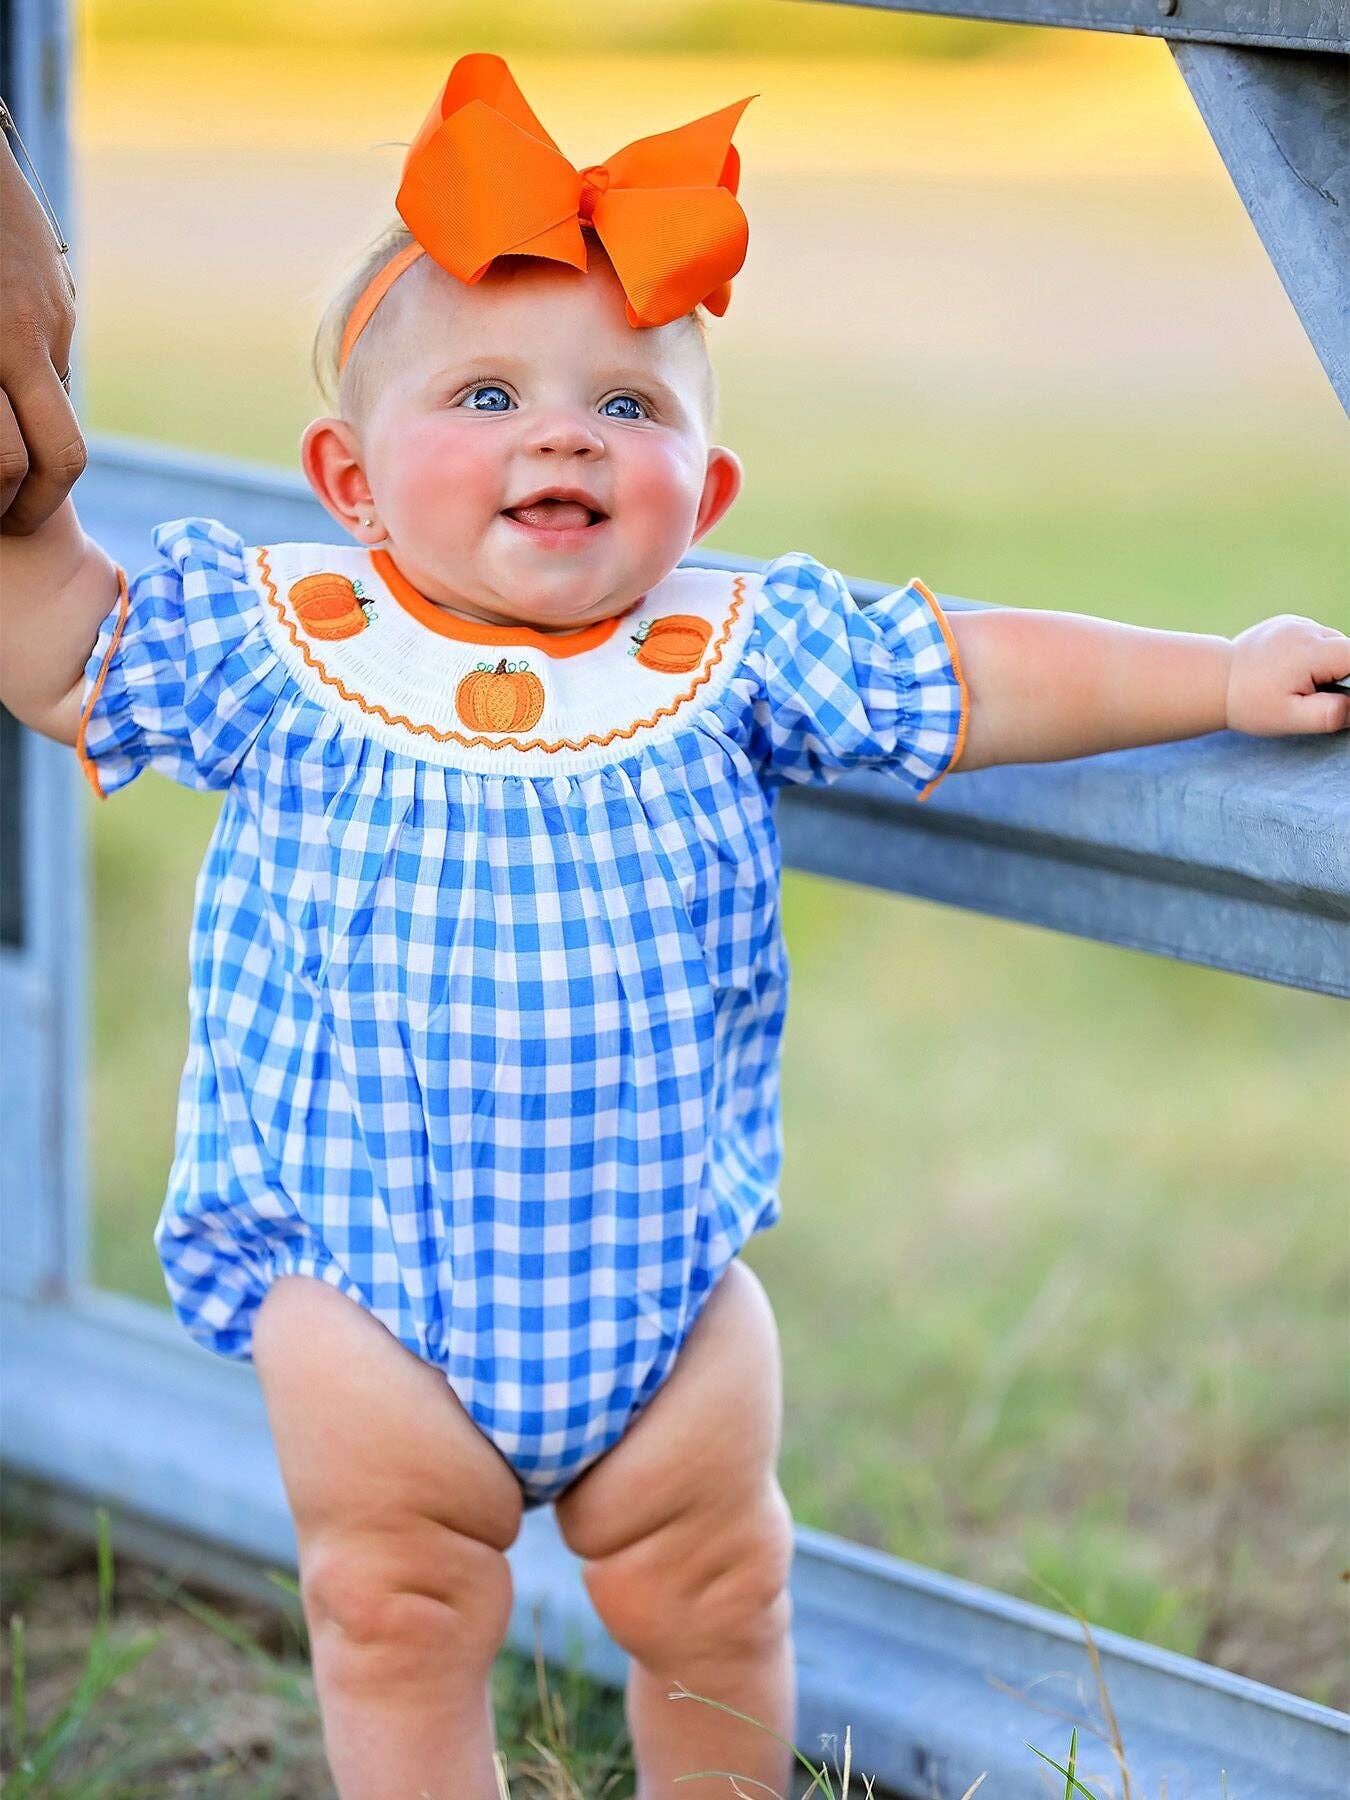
{"x": 1222, "y": 851}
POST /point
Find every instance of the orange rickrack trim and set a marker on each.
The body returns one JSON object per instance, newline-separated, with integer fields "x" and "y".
{"x": 949, "y": 635}
{"x": 458, "y": 737}
{"x": 447, "y": 624}
{"x": 87, "y": 761}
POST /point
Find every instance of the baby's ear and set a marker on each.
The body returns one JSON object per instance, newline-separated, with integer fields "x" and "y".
{"x": 330, "y": 455}
{"x": 721, "y": 485}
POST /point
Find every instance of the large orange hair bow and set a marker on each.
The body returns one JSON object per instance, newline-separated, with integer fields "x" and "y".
{"x": 484, "y": 179}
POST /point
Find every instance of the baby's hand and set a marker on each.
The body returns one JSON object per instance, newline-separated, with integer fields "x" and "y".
{"x": 1273, "y": 675}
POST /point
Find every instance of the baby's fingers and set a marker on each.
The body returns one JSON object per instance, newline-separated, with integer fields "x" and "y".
{"x": 1277, "y": 668}
{"x": 1320, "y": 712}
{"x": 1331, "y": 663}
{"x": 1330, "y": 660}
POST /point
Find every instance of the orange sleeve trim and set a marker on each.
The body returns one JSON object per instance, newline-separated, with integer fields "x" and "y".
{"x": 87, "y": 761}
{"x": 944, "y": 625}
{"x": 402, "y": 720}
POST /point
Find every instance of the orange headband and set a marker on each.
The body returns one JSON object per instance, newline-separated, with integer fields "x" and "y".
{"x": 484, "y": 179}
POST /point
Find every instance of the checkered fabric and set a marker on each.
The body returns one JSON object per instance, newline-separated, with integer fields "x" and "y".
{"x": 496, "y": 1056}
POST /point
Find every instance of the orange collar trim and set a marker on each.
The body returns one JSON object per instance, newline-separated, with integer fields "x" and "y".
{"x": 498, "y": 743}
{"x": 447, "y": 624}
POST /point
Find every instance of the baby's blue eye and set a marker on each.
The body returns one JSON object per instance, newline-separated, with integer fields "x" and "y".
{"x": 624, "y": 400}
{"x": 499, "y": 395}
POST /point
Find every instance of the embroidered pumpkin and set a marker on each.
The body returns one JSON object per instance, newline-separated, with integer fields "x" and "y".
{"x": 673, "y": 644}
{"x": 329, "y": 606}
{"x": 507, "y": 698}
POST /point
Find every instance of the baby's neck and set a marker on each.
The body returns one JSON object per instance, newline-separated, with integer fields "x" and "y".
{"x": 465, "y": 614}
{"x": 524, "y": 624}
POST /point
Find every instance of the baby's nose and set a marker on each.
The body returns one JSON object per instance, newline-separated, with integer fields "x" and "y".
{"x": 565, "y": 433}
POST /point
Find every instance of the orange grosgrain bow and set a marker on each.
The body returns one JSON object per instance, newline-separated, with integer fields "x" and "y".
{"x": 484, "y": 179}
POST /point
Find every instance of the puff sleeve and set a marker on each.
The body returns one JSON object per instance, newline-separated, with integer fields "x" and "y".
{"x": 841, "y": 686}
{"x": 183, "y": 674}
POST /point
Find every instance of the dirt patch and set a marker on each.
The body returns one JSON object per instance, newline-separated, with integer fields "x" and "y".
{"x": 221, "y": 1702}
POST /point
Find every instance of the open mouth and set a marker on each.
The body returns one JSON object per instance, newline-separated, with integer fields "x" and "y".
{"x": 555, "y": 513}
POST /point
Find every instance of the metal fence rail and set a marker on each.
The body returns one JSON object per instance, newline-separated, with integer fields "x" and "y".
{"x": 1226, "y": 850}
{"x": 1280, "y": 24}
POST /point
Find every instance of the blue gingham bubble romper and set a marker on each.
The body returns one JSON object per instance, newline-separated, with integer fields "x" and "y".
{"x": 486, "y": 975}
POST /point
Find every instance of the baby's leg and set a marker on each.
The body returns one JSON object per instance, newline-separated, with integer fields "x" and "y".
{"x": 688, "y": 1541}
{"x": 402, "y": 1511}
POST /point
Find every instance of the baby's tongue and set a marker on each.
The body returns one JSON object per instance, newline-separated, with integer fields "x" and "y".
{"x": 556, "y": 515}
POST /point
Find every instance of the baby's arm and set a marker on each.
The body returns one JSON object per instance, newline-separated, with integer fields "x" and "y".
{"x": 56, "y": 588}
{"x": 1044, "y": 686}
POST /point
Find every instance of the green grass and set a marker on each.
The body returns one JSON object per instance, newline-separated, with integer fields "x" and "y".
{"x": 111, "y": 1711}
{"x": 217, "y": 1696}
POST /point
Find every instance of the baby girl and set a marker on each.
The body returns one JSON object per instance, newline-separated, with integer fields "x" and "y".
{"x": 480, "y": 1102}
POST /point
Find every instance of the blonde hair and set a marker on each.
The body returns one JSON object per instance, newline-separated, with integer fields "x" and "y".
{"x": 341, "y": 389}
{"x": 347, "y": 391}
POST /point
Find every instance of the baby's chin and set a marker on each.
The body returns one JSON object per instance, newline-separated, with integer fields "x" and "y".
{"x": 555, "y": 603}
{"x": 542, "y": 607}
{"x": 523, "y": 608}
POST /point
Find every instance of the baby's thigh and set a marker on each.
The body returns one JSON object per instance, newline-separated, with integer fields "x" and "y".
{"x": 706, "y": 1446}
{"x": 369, "y": 1437}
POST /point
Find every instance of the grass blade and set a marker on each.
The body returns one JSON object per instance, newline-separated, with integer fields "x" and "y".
{"x": 18, "y": 1684}
{"x": 680, "y": 1692}
{"x": 103, "y": 1669}
{"x": 731, "y": 1776}
{"x": 1075, "y": 1786}
{"x": 1113, "y": 1735}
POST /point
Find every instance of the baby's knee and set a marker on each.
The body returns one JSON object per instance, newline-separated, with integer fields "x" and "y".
{"x": 398, "y": 1595}
{"x": 700, "y": 1591}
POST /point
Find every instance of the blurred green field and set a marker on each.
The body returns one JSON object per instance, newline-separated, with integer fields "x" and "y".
{"x": 1070, "y": 1304}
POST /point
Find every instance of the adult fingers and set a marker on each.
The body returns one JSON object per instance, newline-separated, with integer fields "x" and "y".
{"x": 13, "y": 456}
{"x": 53, "y": 443}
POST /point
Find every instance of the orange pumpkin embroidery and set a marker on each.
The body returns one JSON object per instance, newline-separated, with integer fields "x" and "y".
{"x": 330, "y": 606}
{"x": 673, "y": 644}
{"x": 507, "y": 698}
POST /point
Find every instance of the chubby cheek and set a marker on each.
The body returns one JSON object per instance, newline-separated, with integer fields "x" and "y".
{"x": 657, "y": 497}
{"x": 437, "y": 485}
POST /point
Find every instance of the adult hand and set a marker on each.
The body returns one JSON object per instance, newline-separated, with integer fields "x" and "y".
{"x": 42, "y": 451}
